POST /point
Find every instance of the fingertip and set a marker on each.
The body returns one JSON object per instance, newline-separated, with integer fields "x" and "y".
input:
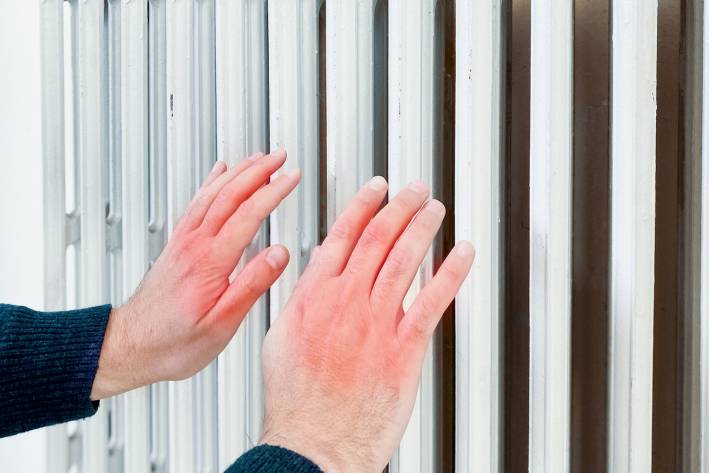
{"x": 377, "y": 183}
{"x": 277, "y": 257}
{"x": 219, "y": 167}
{"x": 280, "y": 152}
{"x": 465, "y": 250}
{"x": 255, "y": 156}
{"x": 436, "y": 207}
{"x": 295, "y": 174}
{"x": 419, "y": 187}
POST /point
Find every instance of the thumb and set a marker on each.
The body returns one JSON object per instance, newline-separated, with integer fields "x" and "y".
{"x": 255, "y": 279}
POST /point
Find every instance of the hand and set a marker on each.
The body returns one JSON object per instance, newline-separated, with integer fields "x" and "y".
{"x": 342, "y": 362}
{"x": 187, "y": 307}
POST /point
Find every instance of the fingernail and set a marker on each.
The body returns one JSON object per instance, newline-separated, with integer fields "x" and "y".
{"x": 281, "y": 151}
{"x": 464, "y": 249}
{"x": 254, "y": 157}
{"x": 294, "y": 173}
{"x": 419, "y": 187}
{"x": 436, "y": 207}
{"x": 277, "y": 257}
{"x": 377, "y": 183}
{"x": 217, "y": 165}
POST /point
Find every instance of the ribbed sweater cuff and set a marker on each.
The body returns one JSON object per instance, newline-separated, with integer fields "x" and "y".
{"x": 272, "y": 459}
{"x": 48, "y": 362}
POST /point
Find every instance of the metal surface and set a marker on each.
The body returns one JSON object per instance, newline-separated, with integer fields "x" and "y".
{"x": 350, "y": 99}
{"x": 55, "y": 222}
{"x": 139, "y": 97}
{"x": 242, "y": 129}
{"x": 91, "y": 157}
{"x": 479, "y": 186}
{"x": 293, "y": 124}
{"x": 632, "y": 235}
{"x": 550, "y": 235}
{"x": 181, "y": 181}
{"x": 135, "y": 205}
{"x": 413, "y": 61}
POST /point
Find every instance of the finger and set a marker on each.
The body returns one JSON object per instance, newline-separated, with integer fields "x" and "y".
{"x": 342, "y": 237}
{"x": 418, "y": 324}
{"x": 380, "y": 234}
{"x": 403, "y": 261}
{"x": 255, "y": 279}
{"x": 233, "y": 194}
{"x": 218, "y": 168}
{"x": 210, "y": 188}
{"x": 242, "y": 226}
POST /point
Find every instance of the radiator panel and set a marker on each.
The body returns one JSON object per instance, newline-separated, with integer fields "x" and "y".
{"x": 140, "y": 97}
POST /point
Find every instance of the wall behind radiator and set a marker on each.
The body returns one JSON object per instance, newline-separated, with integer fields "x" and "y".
{"x": 20, "y": 191}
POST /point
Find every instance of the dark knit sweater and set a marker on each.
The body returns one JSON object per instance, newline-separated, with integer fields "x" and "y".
{"x": 48, "y": 362}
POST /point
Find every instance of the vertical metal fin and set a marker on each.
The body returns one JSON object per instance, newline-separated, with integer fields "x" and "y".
{"x": 181, "y": 181}
{"x": 479, "y": 218}
{"x": 92, "y": 199}
{"x": 632, "y": 235}
{"x": 551, "y": 155}
{"x": 293, "y": 102}
{"x": 412, "y": 144}
{"x": 55, "y": 221}
{"x": 350, "y": 99}
{"x": 242, "y": 129}
{"x": 135, "y": 216}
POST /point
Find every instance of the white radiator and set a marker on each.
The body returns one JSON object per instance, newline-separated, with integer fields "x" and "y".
{"x": 140, "y": 97}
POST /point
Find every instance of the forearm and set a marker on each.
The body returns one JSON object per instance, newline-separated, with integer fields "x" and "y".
{"x": 272, "y": 459}
{"x": 48, "y": 361}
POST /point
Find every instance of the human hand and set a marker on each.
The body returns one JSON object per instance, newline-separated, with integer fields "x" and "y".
{"x": 187, "y": 309}
{"x": 342, "y": 362}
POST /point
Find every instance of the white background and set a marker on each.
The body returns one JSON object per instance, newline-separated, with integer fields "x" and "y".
{"x": 20, "y": 191}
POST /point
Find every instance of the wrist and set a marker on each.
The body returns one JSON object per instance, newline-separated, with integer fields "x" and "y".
{"x": 329, "y": 457}
{"x": 118, "y": 368}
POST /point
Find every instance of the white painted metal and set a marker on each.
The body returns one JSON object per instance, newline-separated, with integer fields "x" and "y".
{"x": 478, "y": 218}
{"x": 206, "y": 90}
{"x": 182, "y": 177}
{"x": 632, "y": 235}
{"x": 412, "y": 144}
{"x": 242, "y": 129}
{"x": 113, "y": 175}
{"x": 704, "y": 265}
{"x": 158, "y": 113}
{"x": 91, "y": 155}
{"x": 205, "y": 154}
{"x": 350, "y": 98}
{"x": 55, "y": 221}
{"x": 293, "y": 101}
{"x": 135, "y": 205}
{"x": 551, "y": 156}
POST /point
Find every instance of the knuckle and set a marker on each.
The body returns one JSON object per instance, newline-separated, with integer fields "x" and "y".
{"x": 201, "y": 199}
{"x": 364, "y": 199}
{"x": 251, "y": 208}
{"x": 452, "y": 272}
{"x": 417, "y": 330}
{"x": 428, "y": 304}
{"x": 341, "y": 230}
{"x": 398, "y": 260}
{"x": 249, "y": 283}
{"x": 375, "y": 234}
{"x": 408, "y": 200}
{"x": 222, "y": 198}
{"x": 348, "y": 290}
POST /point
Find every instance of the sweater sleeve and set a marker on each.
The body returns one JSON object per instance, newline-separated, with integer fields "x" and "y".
{"x": 272, "y": 459}
{"x": 48, "y": 362}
